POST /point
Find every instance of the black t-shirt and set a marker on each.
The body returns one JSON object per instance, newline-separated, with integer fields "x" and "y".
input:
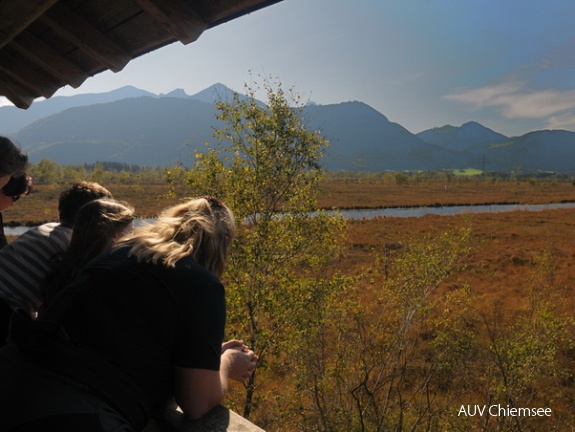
{"x": 144, "y": 319}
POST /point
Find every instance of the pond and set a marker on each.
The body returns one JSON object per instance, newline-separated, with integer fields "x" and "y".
{"x": 402, "y": 212}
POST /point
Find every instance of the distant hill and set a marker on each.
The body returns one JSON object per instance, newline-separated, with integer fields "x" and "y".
{"x": 468, "y": 137}
{"x": 214, "y": 94}
{"x": 472, "y": 139}
{"x": 547, "y": 150}
{"x": 133, "y": 126}
{"x": 140, "y": 131}
{"x": 362, "y": 139}
{"x": 13, "y": 119}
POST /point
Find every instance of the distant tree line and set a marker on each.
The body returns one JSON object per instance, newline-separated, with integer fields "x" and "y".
{"x": 49, "y": 172}
{"x": 116, "y": 166}
{"x": 448, "y": 176}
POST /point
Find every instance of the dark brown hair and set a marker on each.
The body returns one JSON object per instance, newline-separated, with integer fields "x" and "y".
{"x": 79, "y": 194}
{"x": 19, "y": 184}
{"x": 12, "y": 159}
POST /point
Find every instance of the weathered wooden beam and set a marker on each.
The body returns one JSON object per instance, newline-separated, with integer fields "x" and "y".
{"x": 38, "y": 84}
{"x": 17, "y": 94}
{"x": 85, "y": 36}
{"x": 49, "y": 59}
{"x": 220, "y": 419}
{"x": 233, "y": 9}
{"x": 17, "y": 15}
{"x": 177, "y": 17}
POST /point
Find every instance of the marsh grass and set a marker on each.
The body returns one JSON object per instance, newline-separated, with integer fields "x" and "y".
{"x": 375, "y": 194}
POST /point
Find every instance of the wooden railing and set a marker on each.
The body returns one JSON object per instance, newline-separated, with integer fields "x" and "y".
{"x": 219, "y": 419}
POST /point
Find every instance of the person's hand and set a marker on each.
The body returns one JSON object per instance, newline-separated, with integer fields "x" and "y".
{"x": 234, "y": 344}
{"x": 240, "y": 362}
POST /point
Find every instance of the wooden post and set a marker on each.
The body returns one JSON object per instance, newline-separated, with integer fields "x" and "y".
{"x": 220, "y": 419}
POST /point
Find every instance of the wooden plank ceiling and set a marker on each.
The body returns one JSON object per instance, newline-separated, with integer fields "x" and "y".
{"x": 47, "y": 44}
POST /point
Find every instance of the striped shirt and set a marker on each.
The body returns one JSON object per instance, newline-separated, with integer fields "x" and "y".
{"x": 27, "y": 261}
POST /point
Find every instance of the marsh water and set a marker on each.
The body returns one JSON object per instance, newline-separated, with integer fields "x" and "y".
{"x": 449, "y": 210}
{"x": 404, "y": 212}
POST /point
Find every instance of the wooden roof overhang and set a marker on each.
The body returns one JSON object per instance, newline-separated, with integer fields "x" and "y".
{"x": 48, "y": 44}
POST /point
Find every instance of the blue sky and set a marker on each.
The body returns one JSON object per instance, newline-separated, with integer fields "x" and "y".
{"x": 507, "y": 64}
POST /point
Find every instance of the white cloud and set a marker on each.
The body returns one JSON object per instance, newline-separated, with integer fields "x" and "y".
{"x": 485, "y": 96}
{"x": 515, "y": 102}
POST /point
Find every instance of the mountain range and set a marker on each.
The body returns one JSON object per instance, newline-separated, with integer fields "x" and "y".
{"x": 137, "y": 127}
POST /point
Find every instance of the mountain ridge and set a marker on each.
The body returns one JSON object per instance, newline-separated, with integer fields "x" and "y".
{"x": 134, "y": 126}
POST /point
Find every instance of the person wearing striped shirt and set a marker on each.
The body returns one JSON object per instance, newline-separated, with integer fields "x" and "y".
{"x": 26, "y": 261}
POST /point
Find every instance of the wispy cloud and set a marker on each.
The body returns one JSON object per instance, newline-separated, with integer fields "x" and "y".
{"x": 515, "y": 102}
{"x": 564, "y": 121}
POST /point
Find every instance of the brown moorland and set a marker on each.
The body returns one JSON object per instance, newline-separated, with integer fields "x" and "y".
{"x": 505, "y": 251}
{"x": 149, "y": 199}
{"x": 505, "y": 243}
{"x": 362, "y": 193}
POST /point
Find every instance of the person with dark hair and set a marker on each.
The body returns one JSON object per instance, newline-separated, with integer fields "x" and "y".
{"x": 19, "y": 185}
{"x": 26, "y": 261}
{"x": 12, "y": 160}
{"x": 71, "y": 200}
{"x": 99, "y": 225}
{"x": 141, "y": 325}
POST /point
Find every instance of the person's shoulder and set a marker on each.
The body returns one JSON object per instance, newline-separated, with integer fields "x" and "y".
{"x": 50, "y": 238}
{"x": 51, "y": 231}
{"x": 113, "y": 257}
{"x": 54, "y": 228}
{"x": 188, "y": 264}
{"x": 189, "y": 270}
{"x": 48, "y": 226}
{"x": 44, "y": 230}
{"x": 30, "y": 235}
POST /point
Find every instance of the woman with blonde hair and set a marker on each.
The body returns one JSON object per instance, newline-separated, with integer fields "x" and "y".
{"x": 141, "y": 325}
{"x": 176, "y": 235}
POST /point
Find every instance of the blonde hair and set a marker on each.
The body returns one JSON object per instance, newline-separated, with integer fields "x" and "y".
{"x": 202, "y": 228}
